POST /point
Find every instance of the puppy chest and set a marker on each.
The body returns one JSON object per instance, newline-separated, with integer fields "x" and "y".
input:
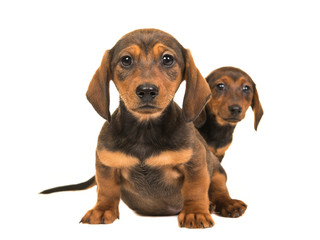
{"x": 152, "y": 182}
{"x": 157, "y": 176}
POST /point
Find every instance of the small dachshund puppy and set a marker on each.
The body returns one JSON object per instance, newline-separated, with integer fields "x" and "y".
{"x": 233, "y": 91}
{"x": 149, "y": 153}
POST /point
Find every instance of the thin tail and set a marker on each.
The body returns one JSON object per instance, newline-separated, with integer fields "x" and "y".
{"x": 74, "y": 187}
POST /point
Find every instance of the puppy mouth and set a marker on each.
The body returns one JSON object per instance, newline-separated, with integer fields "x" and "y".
{"x": 232, "y": 119}
{"x": 147, "y": 109}
{"x": 147, "y": 106}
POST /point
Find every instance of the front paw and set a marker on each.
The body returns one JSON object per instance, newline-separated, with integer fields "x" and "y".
{"x": 195, "y": 220}
{"x": 96, "y": 216}
{"x": 229, "y": 208}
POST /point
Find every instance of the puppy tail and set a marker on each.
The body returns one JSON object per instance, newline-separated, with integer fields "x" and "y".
{"x": 74, "y": 187}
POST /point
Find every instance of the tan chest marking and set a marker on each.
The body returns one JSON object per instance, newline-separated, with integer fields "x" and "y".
{"x": 222, "y": 150}
{"x": 167, "y": 158}
{"x": 219, "y": 151}
{"x": 117, "y": 159}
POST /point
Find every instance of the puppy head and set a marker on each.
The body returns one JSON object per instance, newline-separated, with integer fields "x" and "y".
{"x": 233, "y": 91}
{"x": 147, "y": 67}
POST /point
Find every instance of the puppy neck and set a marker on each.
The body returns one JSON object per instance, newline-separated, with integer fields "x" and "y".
{"x": 127, "y": 125}
{"x": 215, "y": 134}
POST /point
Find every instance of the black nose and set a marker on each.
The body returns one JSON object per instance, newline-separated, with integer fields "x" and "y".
{"x": 235, "y": 109}
{"x": 147, "y": 92}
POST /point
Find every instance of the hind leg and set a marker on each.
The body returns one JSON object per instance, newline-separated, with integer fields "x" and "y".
{"x": 221, "y": 202}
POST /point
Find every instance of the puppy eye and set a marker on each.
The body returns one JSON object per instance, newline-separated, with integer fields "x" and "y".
{"x": 220, "y": 87}
{"x": 246, "y": 89}
{"x": 126, "y": 61}
{"x": 167, "y": 60}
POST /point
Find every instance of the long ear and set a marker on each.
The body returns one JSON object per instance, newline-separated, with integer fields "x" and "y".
{"x": 197, "y": 90}
{"x": 98, "y": 91}
{"x": 201, "y": 119}
{"x": 257, "y": 108}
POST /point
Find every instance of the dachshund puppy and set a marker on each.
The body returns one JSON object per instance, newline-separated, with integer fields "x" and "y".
{"x": 233, "y": 91}
{"x": 149, "y": 153}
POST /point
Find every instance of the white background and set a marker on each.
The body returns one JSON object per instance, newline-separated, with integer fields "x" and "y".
{"x": 48, "y": 130}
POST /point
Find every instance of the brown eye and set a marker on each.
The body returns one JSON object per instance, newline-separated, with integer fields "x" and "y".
{"x": 220, "y": 87}
{"x": 126, "y": 61}
{"x": 246, "y": 89}
{"x": 167, "y": 60}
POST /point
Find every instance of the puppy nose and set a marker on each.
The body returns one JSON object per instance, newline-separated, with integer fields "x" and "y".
{"x": 147, "y": 91}
{"x": 235, "y": 109}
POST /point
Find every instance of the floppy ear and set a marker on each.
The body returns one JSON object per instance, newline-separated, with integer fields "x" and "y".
{"x": 98, "y": 91}
{"x": 257, "y": 108}
{"x": 201, "y": 119}
{"x": 197, "y": 90}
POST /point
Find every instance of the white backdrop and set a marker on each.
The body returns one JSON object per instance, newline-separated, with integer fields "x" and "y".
{"x": 48, "y": 130}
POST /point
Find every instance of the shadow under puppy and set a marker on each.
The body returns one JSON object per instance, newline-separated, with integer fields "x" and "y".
{"x": 233, "y": 91}
{"x": 149, "y": 153}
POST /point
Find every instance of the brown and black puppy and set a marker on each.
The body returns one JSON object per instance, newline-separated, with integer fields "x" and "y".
{"x": 233, "y": 91}
{"x": 149, "y": 154}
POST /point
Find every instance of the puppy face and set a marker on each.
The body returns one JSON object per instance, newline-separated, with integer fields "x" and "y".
{"x": 147, "y": 67}
{"x": 233, "y": 91}
{"x": 147, "y": 71}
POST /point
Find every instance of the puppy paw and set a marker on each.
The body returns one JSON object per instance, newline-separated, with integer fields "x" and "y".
{"x": 195, "y": 220}
{"x": 229, "y": 208}
{"x": 96, "y": 216}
